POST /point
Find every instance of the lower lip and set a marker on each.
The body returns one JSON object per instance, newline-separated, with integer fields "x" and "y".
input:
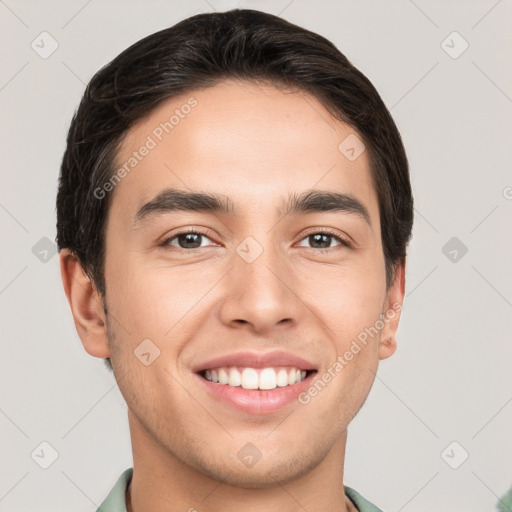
{"x": 256, "y": 401}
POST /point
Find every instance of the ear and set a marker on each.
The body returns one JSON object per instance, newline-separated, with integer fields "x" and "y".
{"x": 86, "y": 306}
{"x": 391, "y": 312}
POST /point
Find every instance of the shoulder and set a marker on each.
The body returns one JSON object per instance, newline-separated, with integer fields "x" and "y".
{"x": 362, "y": 504}
{"x": 115, "y": 501}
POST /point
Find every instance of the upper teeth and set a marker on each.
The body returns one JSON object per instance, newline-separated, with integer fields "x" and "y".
{"x": 255, "y": 378}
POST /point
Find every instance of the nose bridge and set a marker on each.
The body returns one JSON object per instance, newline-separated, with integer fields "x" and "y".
{"x": 259, "y": 284}
{"x": 261, "y": 265}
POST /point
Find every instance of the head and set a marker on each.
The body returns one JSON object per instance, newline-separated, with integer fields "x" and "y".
{"x": 279, "y": 158}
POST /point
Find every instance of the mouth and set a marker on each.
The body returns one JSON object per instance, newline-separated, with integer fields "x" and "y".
{"x": 256, "y": 391}
{"x": 255, "y": 383}
{"x": 256, "y": 378}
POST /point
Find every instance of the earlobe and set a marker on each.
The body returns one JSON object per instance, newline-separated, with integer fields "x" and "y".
{"x": 86, "y": 306}
{"x": 387, "y": 347}
{"x": 391, "y": 313}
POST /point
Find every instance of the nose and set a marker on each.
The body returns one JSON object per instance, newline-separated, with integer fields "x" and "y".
{"x": 259, "y": 294}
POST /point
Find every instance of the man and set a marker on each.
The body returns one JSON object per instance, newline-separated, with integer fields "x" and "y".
{"x": 233, "y": 214}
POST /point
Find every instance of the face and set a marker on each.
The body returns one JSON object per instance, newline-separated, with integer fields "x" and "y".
{"x": 257, "y": 293}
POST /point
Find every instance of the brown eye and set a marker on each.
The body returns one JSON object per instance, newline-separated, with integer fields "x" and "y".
{"x": 324, "y": 240}
{"x": 188, "y": 240}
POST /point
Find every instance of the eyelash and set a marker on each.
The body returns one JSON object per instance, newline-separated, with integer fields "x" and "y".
{"x": 344, "y": 243}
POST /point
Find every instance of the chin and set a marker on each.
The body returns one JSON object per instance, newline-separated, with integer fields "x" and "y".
{"x": 263, "y": 474}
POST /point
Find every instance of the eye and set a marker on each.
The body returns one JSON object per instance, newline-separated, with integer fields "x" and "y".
{"x": 322, "y": 240}
{"x": 192, "y": 240}
{"x": 186, "y": 240}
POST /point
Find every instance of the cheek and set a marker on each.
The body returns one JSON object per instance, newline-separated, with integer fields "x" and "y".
{"x": 347, "y": 299}
{"x": 157, "y": 302}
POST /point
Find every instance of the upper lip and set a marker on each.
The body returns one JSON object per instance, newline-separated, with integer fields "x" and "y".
{"x": 256, "y": 360}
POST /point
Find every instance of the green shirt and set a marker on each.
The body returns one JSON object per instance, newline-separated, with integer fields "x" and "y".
{"x": 115, "y": 501}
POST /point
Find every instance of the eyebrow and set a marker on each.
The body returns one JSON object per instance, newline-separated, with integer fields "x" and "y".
{"x": 312, "y": 201}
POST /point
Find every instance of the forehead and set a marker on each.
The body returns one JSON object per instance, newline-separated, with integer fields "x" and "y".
{"x": 250, "y": 142}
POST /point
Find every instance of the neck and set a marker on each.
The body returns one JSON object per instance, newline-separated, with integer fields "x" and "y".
{"x": 161, "y": 482}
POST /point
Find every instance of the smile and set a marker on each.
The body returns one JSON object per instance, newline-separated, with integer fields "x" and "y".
{"x": 255, "y": 401}
{"x": 255, "y": 378}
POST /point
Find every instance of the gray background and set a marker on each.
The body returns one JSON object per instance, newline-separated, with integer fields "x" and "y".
{"x": 450, "y": 380}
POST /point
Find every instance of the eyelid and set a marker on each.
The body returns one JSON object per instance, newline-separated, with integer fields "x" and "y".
{"x": 344, "y": 240}
{"x": 186, "y": 230}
